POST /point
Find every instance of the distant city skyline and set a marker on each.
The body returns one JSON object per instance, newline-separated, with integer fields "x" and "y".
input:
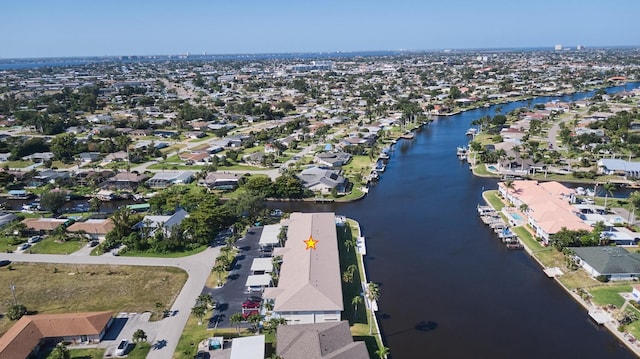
{"x": 65, "y": 28}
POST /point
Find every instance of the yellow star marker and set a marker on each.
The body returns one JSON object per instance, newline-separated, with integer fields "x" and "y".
{"x": 311, "y": 243}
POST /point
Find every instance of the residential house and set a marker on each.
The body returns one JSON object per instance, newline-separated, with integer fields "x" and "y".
{"x": 115, "y": 157}
{"x": 92, "y": 228}
{"x": 48, "y": 176}
{"x": 39, "y": 157}
{"x": 221, "y": 181}
{"x": 613, "y": 262}
{"x": 319, "y": 341}
{"x": 548, "y": 208}
{"x": 323, "y": 180}
{"x": 309, "y": 287}
{"x": 43, "y": 225}
{"x": 614, "y": 166}
{"x": 332, "y": 159}
{"x": 124, "y": 180}
{"x": 90, "y": 178}
{"x": 166, "y": 179}
{"x": 88, "y": 157}
{"x": 26, "y": 336}
{"x": 153, "y": 223}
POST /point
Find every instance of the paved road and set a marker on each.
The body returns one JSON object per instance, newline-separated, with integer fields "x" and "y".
{"x": 169, "y": 329}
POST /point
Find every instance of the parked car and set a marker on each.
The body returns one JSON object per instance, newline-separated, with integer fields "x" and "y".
{"x": 35, "y": 239}
{"x": 24, "y": 246}
{"x": 122, "y": 347}
{"x": 4, "y": 262}
{"x": 93, "y": 243}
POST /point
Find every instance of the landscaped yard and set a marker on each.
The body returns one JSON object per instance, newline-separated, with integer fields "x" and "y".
{"x": 61, "y": 288}
{"x": 609, "y": 294}
{"x": 49, "y": 246}
{"x": 194, "y": 334}
{"x": 494, "y": 199}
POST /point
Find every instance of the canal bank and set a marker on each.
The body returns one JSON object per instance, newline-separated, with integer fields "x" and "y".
{"x": 598, "y": 314}
{"x": 448, "y": 288}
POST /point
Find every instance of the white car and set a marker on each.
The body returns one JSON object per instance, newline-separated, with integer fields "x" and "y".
{"x": 35, "y": 239}
{"x": 122, "y": 347}
{"x": 24, "y": 246}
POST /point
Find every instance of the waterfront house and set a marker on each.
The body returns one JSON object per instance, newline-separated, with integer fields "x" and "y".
{"x": 27, "y": 335}
{"x": 548, "y": 206}
{"x": 166, "y": 179}
{"x": 323, "y": 180}
{"x": 309, "y": 287}
{"x": 221, "y": 181}
{"x": 43, "y": 225}
{"x": 614, "y": 166}
{"x": 613, "y": 262}
{"x": 319, "y": 341}
{"x": 124, "y": 180}
{"x": 332, "y": 159}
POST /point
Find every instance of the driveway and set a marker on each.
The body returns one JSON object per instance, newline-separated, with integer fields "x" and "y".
{"x": 168, "y": 330}
{"x": 230, "y": 297}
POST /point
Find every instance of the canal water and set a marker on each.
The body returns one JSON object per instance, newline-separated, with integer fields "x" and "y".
{"x": 448, "y": 287}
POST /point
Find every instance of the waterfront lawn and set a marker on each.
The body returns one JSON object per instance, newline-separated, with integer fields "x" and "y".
{"x": 526, "y": 237}
{"x": 359, "y": 320}
{"x": 578, "y": 279}
{"x": 550, "y": 257}
{"x": 63, "y": 288}
{"x": 493, "y": 197}
{"x": 609, "y": 294}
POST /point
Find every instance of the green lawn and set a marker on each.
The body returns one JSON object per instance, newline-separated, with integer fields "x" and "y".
{"x": 194, "y": 334}
{"x": 164, "y": 255}
{"x": 526, "y": 237}
{"x": 139, "y": 351}
{"x": 494, "y": 199}
{"x": 84, "y": 354}
{"x": 49, "y": 246}
{"x": 609, "y": 294}
{"x": 17, "y": 164}
{"x": 10, "y": 243}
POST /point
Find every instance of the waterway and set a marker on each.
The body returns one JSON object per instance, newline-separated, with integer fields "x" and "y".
{"x": 448, "y": 287}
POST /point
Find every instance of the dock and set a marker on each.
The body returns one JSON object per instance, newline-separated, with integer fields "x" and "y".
{"x": 552, "y": 272}
{"x": 599, "y": 316}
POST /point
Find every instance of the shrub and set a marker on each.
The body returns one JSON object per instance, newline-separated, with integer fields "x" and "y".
{"x": 602, "y": 278}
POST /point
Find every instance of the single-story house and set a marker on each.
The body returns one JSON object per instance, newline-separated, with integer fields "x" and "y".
{"x": 88, "y": 157}
{"x": 93, "y": 228}
{"x": 221, "y": 181}
{"x": 614, "y": 166}
{"x": 166, "y": 179}
{"x": 319, "y": 341}
{"x": 153, "y": 222}
{"x": 124, "y": 180}
{"x": 43, "y": 225}
{"x": 613, "y": 262}
{"x": 26, "y": 335}
{"x": 323, "y": 180}
{"x": 332, "y": 159}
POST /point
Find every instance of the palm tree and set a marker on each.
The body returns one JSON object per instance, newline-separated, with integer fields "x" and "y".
{"x": 347, "y": 276}
{"x": 608, "y": 190}
{"x": 139, "y": 335}
{"x": 382, "y": 352}
{"x": 355, "y": 301}
{"x": 199, "y": 311}
{"x": 204, "y": 299}
{"x": 372, "y": 293}
{"x": 236, "y": 318}
{"x": 255, "y": 319}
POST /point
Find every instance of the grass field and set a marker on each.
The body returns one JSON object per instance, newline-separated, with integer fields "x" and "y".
{"x": 163, "y": 255}
{"x": 609, "y": 294}
{"x": 60, "y": 288}
{"x": 49, "y": 246}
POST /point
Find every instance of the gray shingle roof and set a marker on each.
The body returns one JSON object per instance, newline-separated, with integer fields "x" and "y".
{"x": 319, "y": 341}
{"x": 609, "y": 260}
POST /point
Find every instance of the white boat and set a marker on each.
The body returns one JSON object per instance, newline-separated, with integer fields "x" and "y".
{"x": 580, "y": 191}
{"x": 471, "y": 132}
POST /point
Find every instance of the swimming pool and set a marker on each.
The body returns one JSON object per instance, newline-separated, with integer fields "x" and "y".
{"x": 516, "y": 216}
{"x": 492, "y": 168}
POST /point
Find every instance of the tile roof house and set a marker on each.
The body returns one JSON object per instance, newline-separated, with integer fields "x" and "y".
{"x": 614, "y": 262}
{"x": 548, "y": 207}
{"x": 25, "y": 336}
{"x": 319, "y": 341}
{"x": 309, "y": 287}
{"x": 93, "y": 228}
{"x": 43, "y": 224}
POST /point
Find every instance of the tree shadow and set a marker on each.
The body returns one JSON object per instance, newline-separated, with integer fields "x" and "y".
{"x": 422, "y": 326}
{"x": 159, "y": 344}
{"x": 233, "y": 277}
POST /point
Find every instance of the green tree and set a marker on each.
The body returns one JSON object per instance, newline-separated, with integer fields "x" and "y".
{"x": 16, "y": 311}
{"x": 205, "y": 300}
{"x": 63, "y": 147}
{"x": 139, "y": 335}
{"x": 382, "y": 352}
{"x": 236, "y": 318}
{"x": 53, "y": 201}
{"x": 355, "y": 301}
{"x": 60, "y": 352}
{"x": 199, "y": 311}
{"x": 372, "y": 293}
{"x": 255, "y": 320}
{"x": 608, "y": 190}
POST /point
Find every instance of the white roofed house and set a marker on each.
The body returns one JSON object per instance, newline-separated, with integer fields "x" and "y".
{"x": 166, "y": 179}
{"x": 612, "y": 166}
{"x": 309, "y": 288}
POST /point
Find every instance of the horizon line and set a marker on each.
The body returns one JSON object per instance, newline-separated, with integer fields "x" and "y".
{"x": 549, "y": 48}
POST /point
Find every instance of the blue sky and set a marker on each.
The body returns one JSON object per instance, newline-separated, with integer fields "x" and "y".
{"x": 48, "y": 28}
